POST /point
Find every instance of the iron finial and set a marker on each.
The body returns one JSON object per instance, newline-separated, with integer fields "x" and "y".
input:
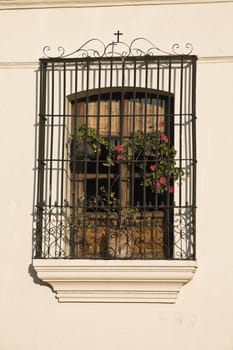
{"x": 118, "y": 33}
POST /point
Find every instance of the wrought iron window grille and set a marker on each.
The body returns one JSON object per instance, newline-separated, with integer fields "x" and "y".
{"x": 116, "y": 153}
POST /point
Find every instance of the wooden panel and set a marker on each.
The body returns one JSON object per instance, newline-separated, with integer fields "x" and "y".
{"x": 144, "y": 117}
{"x": 109, "y": 121}
{"x": 149, "y": 237}
{"x": 100, "y": 116}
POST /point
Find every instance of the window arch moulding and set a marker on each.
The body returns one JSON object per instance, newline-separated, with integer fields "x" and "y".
{"x": 115, "y": 196}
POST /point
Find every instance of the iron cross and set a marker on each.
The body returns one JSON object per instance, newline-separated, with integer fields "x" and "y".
{"x": 118, "y": 33}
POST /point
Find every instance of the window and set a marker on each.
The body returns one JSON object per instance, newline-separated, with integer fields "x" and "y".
{"x": 116, "y": 158}
{"x": 115, "y": 173}
{"x": 122, "y": 180}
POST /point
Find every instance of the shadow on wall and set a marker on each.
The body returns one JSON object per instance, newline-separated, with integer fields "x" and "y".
{"x": 36, "y": 279}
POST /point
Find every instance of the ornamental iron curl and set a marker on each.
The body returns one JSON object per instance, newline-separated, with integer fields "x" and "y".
{"x": 183, "y": 233}
{"x": 138, "y": 47}
{"x": 55, "y": 233}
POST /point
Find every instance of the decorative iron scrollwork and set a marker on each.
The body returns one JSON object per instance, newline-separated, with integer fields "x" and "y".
{"x": 55, "y": 237}
{"x": 183, "y": 234}
{"x": 138, "y": 47}
{"x": 176, "y": 49}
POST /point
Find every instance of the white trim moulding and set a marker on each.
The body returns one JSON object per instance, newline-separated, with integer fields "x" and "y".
{"x": 215, "y": 59}
{"x": 111, "y": 281}
{"x": 36, "y": 4}
{"x": 19, "y": 65}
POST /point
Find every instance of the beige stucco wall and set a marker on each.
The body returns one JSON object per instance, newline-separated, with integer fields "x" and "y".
{"x": 202, "y": 318}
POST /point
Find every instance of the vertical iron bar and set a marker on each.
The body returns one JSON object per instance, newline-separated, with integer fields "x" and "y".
{"x": 132, "y": 135}
{"x": 194, "y": 59}
{"x": 98, "y": 155}
{"x": 121, "y": 116}
{"x": 133, "y": 116}
{"x": 74, "y": 193}
{"x": 109, "y": 140}
{"x": 62, "y": 157}
{"x": 145, "y": 160}
{"x": 46, "y": 159}
{"x": 157, "y": 129}
{"x": 85, "y": 221}
{"x": 180, "y": 152}
{"x": 158, "y": 203}
{"x": 41, "y": 164}
{"x": 169, "y": 127}
{"x": 59, "y": 126}
{"x": 35, "y": 176}
{"x": 50, "y": 162}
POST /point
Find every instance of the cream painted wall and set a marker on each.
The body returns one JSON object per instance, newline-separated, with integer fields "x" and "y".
{"x": 202, "y": 318}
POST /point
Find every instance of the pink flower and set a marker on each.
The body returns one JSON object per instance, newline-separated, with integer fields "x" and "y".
{"x": 158, "y": 185}
{"x": 118, "y": 157}
{"x": 163, "y": 137}
{"x": 171, "y": 189}
{"x": 153, "y": 167}
{"x": 119, "y": 148}
{"x": 162, "y": 180}
{"x": 161, "y": 124}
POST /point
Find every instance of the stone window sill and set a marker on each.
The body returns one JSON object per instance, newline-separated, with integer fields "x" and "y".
{"x": 136, "y": 281}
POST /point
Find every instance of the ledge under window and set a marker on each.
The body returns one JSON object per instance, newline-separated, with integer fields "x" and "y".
{"x": 130, "y": 281}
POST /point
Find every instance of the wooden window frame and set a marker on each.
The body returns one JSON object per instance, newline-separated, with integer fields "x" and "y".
{"x": 87, "y": 105}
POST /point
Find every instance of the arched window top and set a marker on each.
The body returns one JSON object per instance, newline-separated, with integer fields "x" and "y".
{"x": 114, "y": 92}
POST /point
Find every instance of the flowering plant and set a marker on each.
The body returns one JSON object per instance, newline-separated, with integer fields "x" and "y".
{"x": 152, "y": 156}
